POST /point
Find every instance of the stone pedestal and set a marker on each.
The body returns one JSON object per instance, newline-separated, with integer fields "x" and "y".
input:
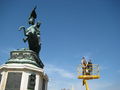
{"x": 25, "y": 56}
{"x": 23, "y": 71}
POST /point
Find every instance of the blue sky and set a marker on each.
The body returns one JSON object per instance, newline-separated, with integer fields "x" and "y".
{"x": 70, "y": 29}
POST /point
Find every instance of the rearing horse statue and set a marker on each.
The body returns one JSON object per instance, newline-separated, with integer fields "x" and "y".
{"x": 32, "y": 33}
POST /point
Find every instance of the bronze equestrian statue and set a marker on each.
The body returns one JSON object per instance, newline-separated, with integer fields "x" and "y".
{"x": 32, "y": 33}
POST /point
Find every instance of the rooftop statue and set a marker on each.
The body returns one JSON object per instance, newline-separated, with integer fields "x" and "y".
{"x": 32, "y": 33}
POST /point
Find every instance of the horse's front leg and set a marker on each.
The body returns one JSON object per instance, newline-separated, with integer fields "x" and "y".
{"x": 25, "y": 39}
{"x": 22, "y": 28}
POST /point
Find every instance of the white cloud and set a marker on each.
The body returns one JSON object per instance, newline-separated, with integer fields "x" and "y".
{"x": 69, "y": 79}
{"x": 60, "y": 84}
{"x": 62, "y": 72}
{"x": 58, "y": 77}
{"x": 93, "y": 85}
{"x": 77, "y": 84}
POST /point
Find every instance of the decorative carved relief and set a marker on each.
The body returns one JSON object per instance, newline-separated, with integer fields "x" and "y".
{"x": 23, "y": 55}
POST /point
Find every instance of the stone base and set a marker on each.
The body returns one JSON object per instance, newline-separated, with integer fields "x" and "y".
{"x": 25, "y": 56}
{"x": 17, "y": 77}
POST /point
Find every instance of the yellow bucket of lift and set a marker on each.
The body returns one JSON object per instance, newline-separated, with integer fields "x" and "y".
{"x": 87, "y": 77}
{"x": 89, "y": 73}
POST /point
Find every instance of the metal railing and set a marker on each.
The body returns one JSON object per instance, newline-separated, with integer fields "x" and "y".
{"x": 89, "y": 69}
